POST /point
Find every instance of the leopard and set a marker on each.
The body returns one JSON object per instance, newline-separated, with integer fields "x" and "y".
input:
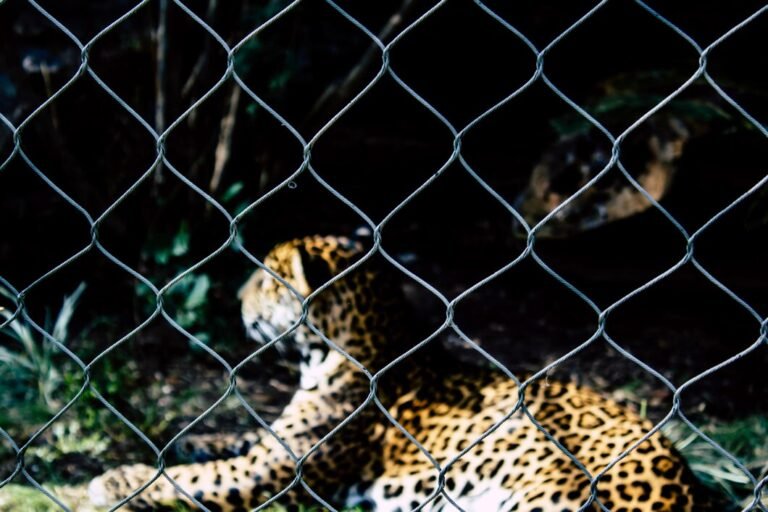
{"x": 585, "y": 180}
{"x": 384, "y": 422}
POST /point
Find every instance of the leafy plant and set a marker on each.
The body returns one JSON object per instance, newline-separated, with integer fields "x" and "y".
{"x": 27, "y": 361}
{"x": 69, "y": 438}
{"x": 14, "y": 497}
{"x": 746, "y": 439}
{"x": 188, "y": 297}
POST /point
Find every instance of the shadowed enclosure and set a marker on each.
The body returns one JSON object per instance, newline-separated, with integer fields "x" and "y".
{"x": 570, "y": 190}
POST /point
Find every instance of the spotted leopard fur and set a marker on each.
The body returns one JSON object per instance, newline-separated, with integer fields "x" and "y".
{"x": 568, "y": 167}
{"x": 444, "y": 405}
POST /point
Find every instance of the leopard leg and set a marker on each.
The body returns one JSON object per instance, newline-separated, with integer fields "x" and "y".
{"x": 208, "y": 447}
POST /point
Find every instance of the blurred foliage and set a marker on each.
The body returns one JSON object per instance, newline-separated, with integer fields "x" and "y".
{"x": 38, "y": 378}
{"x": 189, "y": 295}
{"x": 29, "y": 368}
{"x": 744, "y": 438}
{"x": 14, "y": 497}
{"x": 256, "y": 50}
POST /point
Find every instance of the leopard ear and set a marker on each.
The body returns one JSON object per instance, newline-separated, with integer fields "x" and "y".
{"x": 315, "y": 269}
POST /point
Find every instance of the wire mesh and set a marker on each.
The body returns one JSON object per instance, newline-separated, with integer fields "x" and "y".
{"x": 306, "y": 168}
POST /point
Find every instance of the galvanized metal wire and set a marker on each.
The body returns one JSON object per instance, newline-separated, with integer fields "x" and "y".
{"x": 306, "y": 168}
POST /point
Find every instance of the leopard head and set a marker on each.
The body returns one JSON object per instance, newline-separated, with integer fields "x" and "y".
{"x": 272, "y": 308}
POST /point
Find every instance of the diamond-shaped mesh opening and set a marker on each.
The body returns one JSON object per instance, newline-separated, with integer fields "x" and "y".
{"x": 696, "y": 324}
{"x": 87, "y": 117}
{"x": 295, "y": 200}
{"x": 743, "y": 85}
{"x": 611, "y": 44}
{"x": 433, "y": 217}
{"x": 293, "y": 47}
{"x": 357, "y": 163}
{"x": 741, "y": 229}
{"x": 454, "y": 75}
{"x": 242, "y": 151}
{"x": 45, "y": 210}
{"x": 629, "y": 259}
{"x": 200, "y": 59}
{"x": 562, "y": 322}
{"x": 550, "y": 280}
{"x": 175, "y": 240}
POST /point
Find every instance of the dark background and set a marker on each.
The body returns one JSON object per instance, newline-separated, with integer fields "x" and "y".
{"x": 452, "y": 235}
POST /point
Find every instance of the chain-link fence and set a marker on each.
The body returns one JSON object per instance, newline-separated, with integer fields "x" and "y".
{"x": 397, "y": 30}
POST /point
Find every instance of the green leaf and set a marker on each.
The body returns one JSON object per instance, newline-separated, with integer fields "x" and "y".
{"x": 199, "y": 294}
{"x": 60, "y": 327}
{"x": 232, "y": 191}
{"x": 181, "y": 241}
{"x": 161, "y": 256}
